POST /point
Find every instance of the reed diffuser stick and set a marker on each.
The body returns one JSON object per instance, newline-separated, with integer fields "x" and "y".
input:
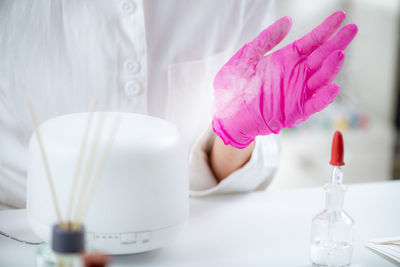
{"x": 89, "y": 166}
{"x": 80, "y": 159}
{"x": 99, "y": 170}
{"x": 45, "y": 162}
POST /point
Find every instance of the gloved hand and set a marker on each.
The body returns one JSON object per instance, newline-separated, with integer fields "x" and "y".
{"x": 258, "y": 94}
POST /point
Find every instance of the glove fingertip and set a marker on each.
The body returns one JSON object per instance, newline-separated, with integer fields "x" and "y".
{"x": 324, "y": 97}
{"x": 328, "y": 94}
{"x": 334, "y": 90}
{"x": 286, "y": 22}
{"x": 353, "y": 29}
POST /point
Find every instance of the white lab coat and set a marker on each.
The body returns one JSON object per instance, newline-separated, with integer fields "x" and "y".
{"x": 151, "y": 57}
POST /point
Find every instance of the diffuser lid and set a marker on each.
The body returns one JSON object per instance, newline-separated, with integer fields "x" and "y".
{"x": 65, "y": 132}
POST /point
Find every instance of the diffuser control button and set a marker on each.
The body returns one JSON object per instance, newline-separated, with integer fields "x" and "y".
{"x": 128, "y": 238}
{"x": 143, "y": 237}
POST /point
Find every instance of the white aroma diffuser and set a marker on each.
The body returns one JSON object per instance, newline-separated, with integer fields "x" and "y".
{"x": 140, "y": 202}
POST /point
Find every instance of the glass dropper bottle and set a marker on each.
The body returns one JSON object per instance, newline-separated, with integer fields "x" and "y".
{"x": 332, "y": 229}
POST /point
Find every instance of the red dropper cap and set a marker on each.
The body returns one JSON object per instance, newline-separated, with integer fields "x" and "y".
{"x": 337, "y": 150}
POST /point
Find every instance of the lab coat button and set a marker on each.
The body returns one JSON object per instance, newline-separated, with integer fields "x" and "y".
{"x": 133, "y": 88}
{"x": 131, "y": 66}
{"x": 128, "y": 7}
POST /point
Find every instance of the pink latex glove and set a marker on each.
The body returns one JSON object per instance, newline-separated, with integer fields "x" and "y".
{"x": 258, "y": 94}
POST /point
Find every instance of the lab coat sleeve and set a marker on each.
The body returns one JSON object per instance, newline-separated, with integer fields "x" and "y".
{"x": 256, "y": 174}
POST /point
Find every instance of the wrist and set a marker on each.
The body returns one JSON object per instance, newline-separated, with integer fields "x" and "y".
{"x": 225, "y": 159}
{"x": 227, "y": 138}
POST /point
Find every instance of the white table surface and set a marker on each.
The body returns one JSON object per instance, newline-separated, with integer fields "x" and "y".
{"x": 270, "y": 228}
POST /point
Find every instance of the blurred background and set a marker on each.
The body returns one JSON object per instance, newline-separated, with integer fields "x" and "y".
{"x": 367, "y": 109}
